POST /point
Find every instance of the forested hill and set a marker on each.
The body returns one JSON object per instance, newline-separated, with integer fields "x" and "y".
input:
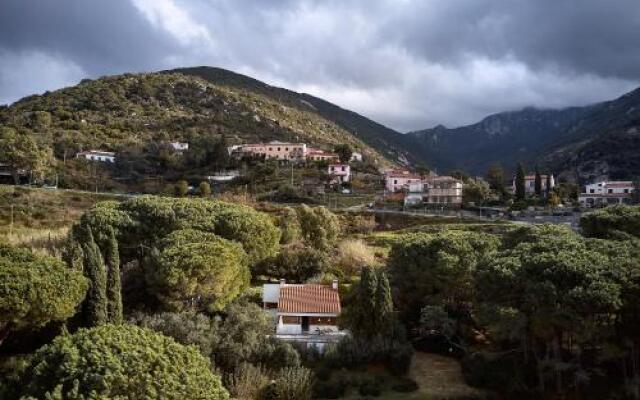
{"x": 134, "y": 110}
{"x": 581, "y": 143}
{"x": 394, "y": 145}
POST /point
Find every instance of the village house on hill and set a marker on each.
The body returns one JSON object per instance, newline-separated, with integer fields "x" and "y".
{"x": 607, "y": 192}
{"x": 305, "y": 313}
{"x": 97, "y": 155}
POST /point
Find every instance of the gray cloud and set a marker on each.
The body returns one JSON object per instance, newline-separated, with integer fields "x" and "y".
{"x": 406, "y": 63}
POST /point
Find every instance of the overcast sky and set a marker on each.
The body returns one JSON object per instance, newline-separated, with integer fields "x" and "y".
{"x": 409, "y": 64}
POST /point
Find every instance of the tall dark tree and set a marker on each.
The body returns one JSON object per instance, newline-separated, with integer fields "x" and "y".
{"x": 114, "y": 291}
{"x": 362, "y": 312}
{"x": 344, "y": 151}
{"x": 548, "y": 183}
{"x": 520, "y": 189}
{"x": 495, "y": 177}
{"x": 538, "y": 183}
{"x": 95, "y": 304}
{"x": 384, "y": 304}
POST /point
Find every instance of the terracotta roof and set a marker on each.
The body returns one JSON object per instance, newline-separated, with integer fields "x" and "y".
{"x": 310, "y": 298}
{"x": 619, "y": 184}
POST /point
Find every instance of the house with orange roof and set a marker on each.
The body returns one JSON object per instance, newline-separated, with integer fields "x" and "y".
{"x": 304, "y": 312}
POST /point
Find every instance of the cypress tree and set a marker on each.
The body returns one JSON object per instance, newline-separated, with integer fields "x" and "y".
{"x": 384, "y": 304}
{"x": 520, "y": 189}
{"x": 95, "y": 304}
{"x": 114, "y": 295}
{"x": 361, "y": 314}
{"x": 548, "y": 184}
{"x": 538, "y": 183}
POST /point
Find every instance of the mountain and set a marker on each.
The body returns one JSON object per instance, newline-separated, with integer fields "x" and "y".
{"x": 392, "y": 144}
{"x": 579, "y": 143}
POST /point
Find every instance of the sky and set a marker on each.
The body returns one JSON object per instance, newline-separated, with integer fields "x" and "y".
{"x": 409, "y": 64}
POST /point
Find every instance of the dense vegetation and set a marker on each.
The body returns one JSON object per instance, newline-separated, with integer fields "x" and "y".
{"x": 137, "y": 116}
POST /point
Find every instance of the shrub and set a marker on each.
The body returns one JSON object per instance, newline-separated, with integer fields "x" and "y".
{"x": 405, "y": 385}
{"x": 290, "y": 384}
{"x": 328, "y": 390}
{"x": 352, "y": 255}
{"x": 246, "y": 382}
{"x": 369, "y": 387}
{"x": 116, "y": 361}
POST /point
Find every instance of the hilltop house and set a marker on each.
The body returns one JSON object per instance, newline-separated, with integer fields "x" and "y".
{"x": 607, "y": 192}
{"x": 530, "y": 183}
{"x": 304, "y": 312}
{"x": 97, "y": 155}
{"x": 339, "y": 173}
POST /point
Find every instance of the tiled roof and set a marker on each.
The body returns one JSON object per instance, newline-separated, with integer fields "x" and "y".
{"x": 619, "y": 184}
{"x": 310, "y": 298}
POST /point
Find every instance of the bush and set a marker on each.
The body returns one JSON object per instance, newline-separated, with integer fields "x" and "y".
{"x": 296, "y": 262}
{"x": 329, "y": 390}
{"x": 369, "y": 387}
{"x": 290, "y": 384}
{"x": 405, "y": 385}
{"x": 353, "y": 255}
{"x": 246, "y": 382}
{"x": 119, "y": 361}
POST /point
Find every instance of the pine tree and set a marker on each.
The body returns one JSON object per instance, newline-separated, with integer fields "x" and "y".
{"x": 520, "y": 189}
{"x": 114, "y": 295}
{"x": 95, "y": 304}
{"x": 384, "y": 304}
{"x": 538, "y": 183}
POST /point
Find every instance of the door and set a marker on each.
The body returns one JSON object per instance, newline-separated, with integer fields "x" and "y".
{"x": 305, "y": 324}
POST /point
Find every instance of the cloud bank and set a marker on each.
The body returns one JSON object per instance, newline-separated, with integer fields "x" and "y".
{"x": 409, "y": 64}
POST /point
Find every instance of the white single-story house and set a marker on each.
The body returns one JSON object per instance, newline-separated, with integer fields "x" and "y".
{"x": 97, "y": 155}
{"x": 304, "y": 312}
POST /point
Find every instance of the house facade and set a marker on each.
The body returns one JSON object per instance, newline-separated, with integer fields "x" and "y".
{"x": 339, "y": 173}
{"x": 398, "y": 180}
{"x": 97, "y": 155}
{"x": 179, "y": 146}
{"x": 607, "y": 192}
{"x": 304, "y": 312}
{"x": 434, "y": 189}
{"x": 321, "y": 155}
{"x": 530, "y": 183}
{"x": 274, "y": 150}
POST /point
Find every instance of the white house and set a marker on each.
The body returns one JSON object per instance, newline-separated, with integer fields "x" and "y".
{"x": 339, "y": 173}
{"x": 397, "y": 180}
{"x": 97, "y": 155}
{"x": 304, "y": 312}
{"x": 607, "y": 192}
{"x": 179, "y": 146}
{"x": 434, "y": 189}
{"x": 355, "y": 156}
{"x": 530, "y": 183}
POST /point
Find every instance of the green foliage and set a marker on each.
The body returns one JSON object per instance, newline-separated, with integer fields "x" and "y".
{"x": 617, "y": 221}
{"x": 320, "y": 227}
{"x": 187, "y": 328}
{"x": 537, "y": 183}
{"x": 36, "y": 290}
{"x": 520, "y": 181}
{"x": 95, "y": 304}
{"x": 296, "y": 263}
{"x": 119, "y": 361}
{"x": 20, "y": 152}
{"x": 181, "y": 188}
{"x": 476, "y": 191}
{"x": 436, "y": 269}
{"x": 114, "y": 287}
{"x": 247, "y": 382}
{"x": 294, "y": 383}
{"x": 361, "y": 316}
{"x": 204, "y": 189}
{"x": 344, "y": 151}
{"x": 354, "y": 353}
{"x": 289, "y": 226}
{"x": 496, "y": 178}
{"x": 198, "y": 270}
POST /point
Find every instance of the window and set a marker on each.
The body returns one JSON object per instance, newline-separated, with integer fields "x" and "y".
{"x": 592, "y": 190}
{"x": 344, "y": 168}
{"x": 286, "y": 149}
{"x": 395, "y": 181}
{"x": 270, "y": 148}
{"x": 287, "y": 319}
{"x": 278, "y": 148}
{"x": 610, "y": 191}
{"x": 626, "y": 190}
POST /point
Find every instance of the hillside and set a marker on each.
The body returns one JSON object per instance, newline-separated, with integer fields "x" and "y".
{"x": 387, "y": 141}
{"x": 580, "y": 143}
{"x": 137, "y": 115}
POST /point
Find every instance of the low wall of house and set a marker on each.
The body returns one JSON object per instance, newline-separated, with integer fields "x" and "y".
{"x": 314, "y": 328}
{"x": 289, "y": 329}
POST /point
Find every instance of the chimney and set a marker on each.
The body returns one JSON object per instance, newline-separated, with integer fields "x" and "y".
{"x": 334, "y": 284}
{"x": 282, "y": 282}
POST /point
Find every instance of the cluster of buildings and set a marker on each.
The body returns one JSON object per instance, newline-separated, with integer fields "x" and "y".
{"x": 606, "y": 193}
{"x": 284, "y": 151}
{"x": 110, "y": 157}
{"x": 429, "y": 189}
